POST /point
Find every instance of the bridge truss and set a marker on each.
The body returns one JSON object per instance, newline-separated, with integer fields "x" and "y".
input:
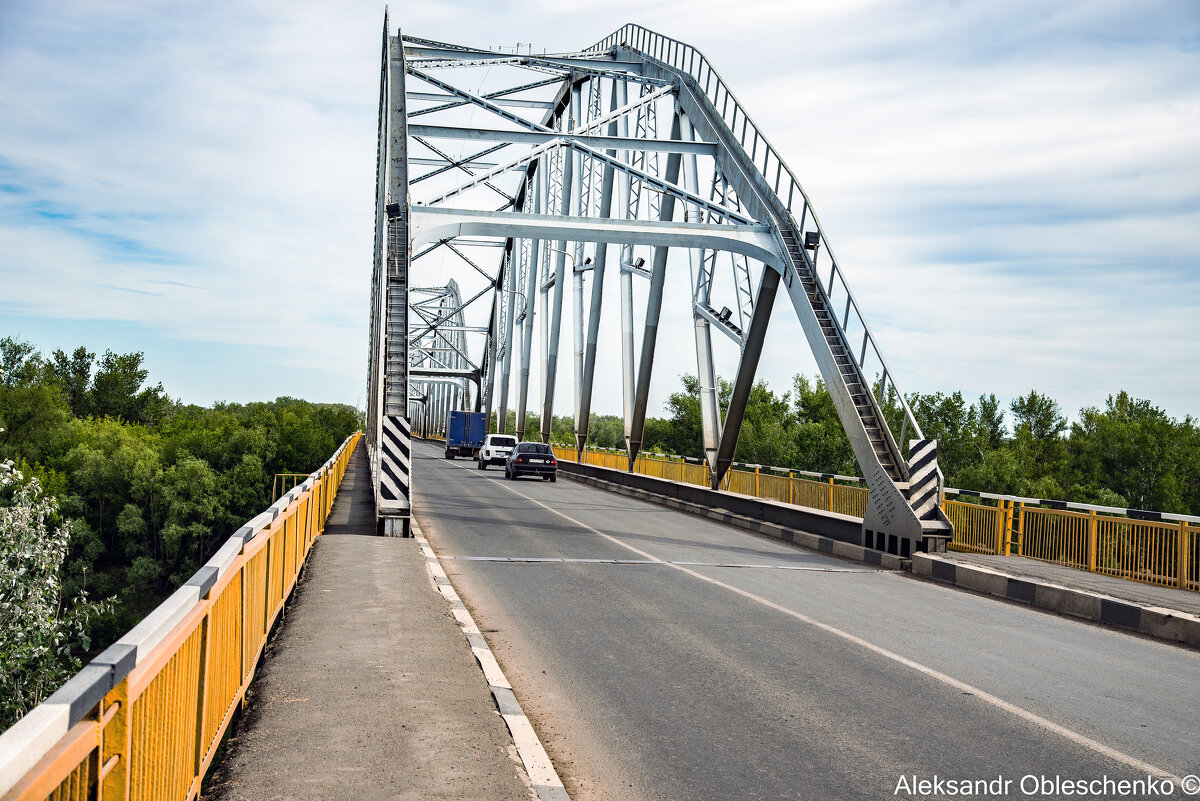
{"x": 505, "y": 179}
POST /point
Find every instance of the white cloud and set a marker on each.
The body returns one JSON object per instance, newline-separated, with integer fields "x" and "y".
{"x": 1010, "y": 186}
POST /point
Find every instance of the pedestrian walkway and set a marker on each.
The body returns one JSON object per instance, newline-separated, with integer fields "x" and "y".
{"x": 1074, "y": 578}
{"x": 369, "y": 689}
{"x": 353, "y": 511}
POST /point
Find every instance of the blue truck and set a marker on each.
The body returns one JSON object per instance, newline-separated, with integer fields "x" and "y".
{"x": 464, "y": 433}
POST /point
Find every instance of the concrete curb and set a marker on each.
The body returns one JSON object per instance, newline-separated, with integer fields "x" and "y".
{"x": 547, "y": 784}
{"x": 814, "y": 542}
{"x": 1166, "y": 624}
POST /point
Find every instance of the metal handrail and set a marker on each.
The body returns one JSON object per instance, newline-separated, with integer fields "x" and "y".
{"x": 166, "y": 692}
{"x": 685, "y": 59}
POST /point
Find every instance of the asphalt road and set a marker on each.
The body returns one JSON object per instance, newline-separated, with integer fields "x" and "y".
{"x": 681, "y": 677}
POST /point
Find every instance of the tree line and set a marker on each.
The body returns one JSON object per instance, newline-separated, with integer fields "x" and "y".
{"x": 1128, "y": 453}
{"x": 147, "y": 487}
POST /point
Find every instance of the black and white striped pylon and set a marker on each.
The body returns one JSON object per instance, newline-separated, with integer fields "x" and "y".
{"x": 922, "y": 478}
{"x": 395, "y": 458}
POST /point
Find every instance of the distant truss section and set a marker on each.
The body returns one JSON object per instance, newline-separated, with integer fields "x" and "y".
{"x": 573, "y": 164}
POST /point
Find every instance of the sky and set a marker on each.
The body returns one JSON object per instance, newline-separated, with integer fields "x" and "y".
{"x": 1012, "y": 188}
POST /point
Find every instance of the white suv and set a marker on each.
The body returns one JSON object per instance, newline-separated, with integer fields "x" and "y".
{"x": 495, "y": 450}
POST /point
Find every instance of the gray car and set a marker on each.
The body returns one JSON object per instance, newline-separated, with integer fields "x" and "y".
{"x": 531, "y": 459}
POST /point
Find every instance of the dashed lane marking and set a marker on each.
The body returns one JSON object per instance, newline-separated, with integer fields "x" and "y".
{"x": 540, "y": 560}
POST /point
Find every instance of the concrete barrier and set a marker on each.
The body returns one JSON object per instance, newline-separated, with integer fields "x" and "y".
{"x": 1167, "y": 624}
{"x": 828, "y": 532}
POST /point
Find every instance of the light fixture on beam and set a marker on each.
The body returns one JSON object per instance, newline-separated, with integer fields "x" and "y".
{"x": 638, "y": 267}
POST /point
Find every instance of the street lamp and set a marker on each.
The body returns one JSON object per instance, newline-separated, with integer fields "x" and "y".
{"x": 574, "y": 267}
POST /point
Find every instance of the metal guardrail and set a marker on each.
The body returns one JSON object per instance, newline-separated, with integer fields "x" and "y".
{"x": 794, "y": 201}
{"x": 776, "y": 484}
{"x": 1149, "y": 551}
{"x": 144, "y": 719}
{"x": 1125, "y": 543}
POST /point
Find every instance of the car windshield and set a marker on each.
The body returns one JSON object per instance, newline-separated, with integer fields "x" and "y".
{"x": 504, "y": 442}
{"x": 534, "y": 447}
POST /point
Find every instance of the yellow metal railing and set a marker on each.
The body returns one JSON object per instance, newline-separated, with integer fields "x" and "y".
{"x": 1163, "y": 553}
{"x": 285, "y": 482}
{"x": 1150, "y": 551}
{"x": 156, "y": 731}
{"x": 758, "y": 483}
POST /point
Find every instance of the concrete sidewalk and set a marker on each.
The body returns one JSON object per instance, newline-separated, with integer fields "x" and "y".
{"x": 369, "y": 689}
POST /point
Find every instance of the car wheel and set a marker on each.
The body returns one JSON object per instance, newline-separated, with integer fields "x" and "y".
{"x": 553, "y": 479}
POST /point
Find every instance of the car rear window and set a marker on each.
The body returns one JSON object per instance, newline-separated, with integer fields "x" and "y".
{"x": 504, "y": 442}
{"x": 534, "y": 447}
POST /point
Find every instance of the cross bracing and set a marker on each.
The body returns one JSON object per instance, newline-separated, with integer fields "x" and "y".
{"x": 527, "y": 179}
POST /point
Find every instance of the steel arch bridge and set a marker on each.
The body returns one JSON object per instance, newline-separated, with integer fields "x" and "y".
{"x": 557, "y": 168}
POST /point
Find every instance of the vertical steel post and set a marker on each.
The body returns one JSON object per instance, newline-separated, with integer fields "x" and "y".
{"x": 531, "y": 289}
{"x": 653, "y": 306}
{"x": 569, "y": 190}
{"x": 607, "y": 189}
{"x": 510, "y": 287}
{"x": 706, "y": 374}
{"x": 628, "y": 379}
{"x": 747, "y": 367}
{"x": 490, "y": 376}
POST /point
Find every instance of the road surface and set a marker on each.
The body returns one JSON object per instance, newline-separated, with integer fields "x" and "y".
{"x": 664, "y": 656}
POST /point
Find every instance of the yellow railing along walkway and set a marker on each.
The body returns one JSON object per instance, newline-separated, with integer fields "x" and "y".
{"x": 144, "y": 719}
{"x": 1166, "y": 553}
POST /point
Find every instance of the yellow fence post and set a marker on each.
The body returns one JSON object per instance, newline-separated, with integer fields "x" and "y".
{"x": 1183, "y": 549}
{"x": 1093, "y": 539}
{"x": 756, "y": 492}
{"x": 1007, "y": 523}
{"x": 999, "y": 528}
{"x": 1019, "y": 526}
{"x": 115, "y": 743}
{"x": 202, "y": 689}
{"x": 829, "y": 508}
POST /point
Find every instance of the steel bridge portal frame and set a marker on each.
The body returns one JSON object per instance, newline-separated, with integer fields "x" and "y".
{"x": 633, "y": 146}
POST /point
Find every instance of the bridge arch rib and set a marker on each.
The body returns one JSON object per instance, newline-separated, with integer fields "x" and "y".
{"x": 630, "y": 151}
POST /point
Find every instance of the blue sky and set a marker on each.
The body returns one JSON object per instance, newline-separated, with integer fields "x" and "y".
{"x": 1013, "y": 188}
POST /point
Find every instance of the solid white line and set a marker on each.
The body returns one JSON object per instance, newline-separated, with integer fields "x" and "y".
{"x": 962, "y": 686}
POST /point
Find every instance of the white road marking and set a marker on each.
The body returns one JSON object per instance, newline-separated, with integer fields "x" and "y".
{"x": 540, "y": 770}
{"x": 950, "y": 681}
{"x": 538, "y": 560}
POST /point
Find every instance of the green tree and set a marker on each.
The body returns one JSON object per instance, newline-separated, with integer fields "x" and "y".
{"x": 34, "y": 418}
{"x": 1133, "y": 448}
{"x": 39, "y": 632}
{"x": 20, "y": 363}
{"x": 74, "y": 376}
{"x": 821, "y": 442}
{"x": 117, "y": 390}
{"x": 1038, "y": 433}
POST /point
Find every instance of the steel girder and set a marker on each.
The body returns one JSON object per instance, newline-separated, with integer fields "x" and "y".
{"x": 554, "y": 168}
